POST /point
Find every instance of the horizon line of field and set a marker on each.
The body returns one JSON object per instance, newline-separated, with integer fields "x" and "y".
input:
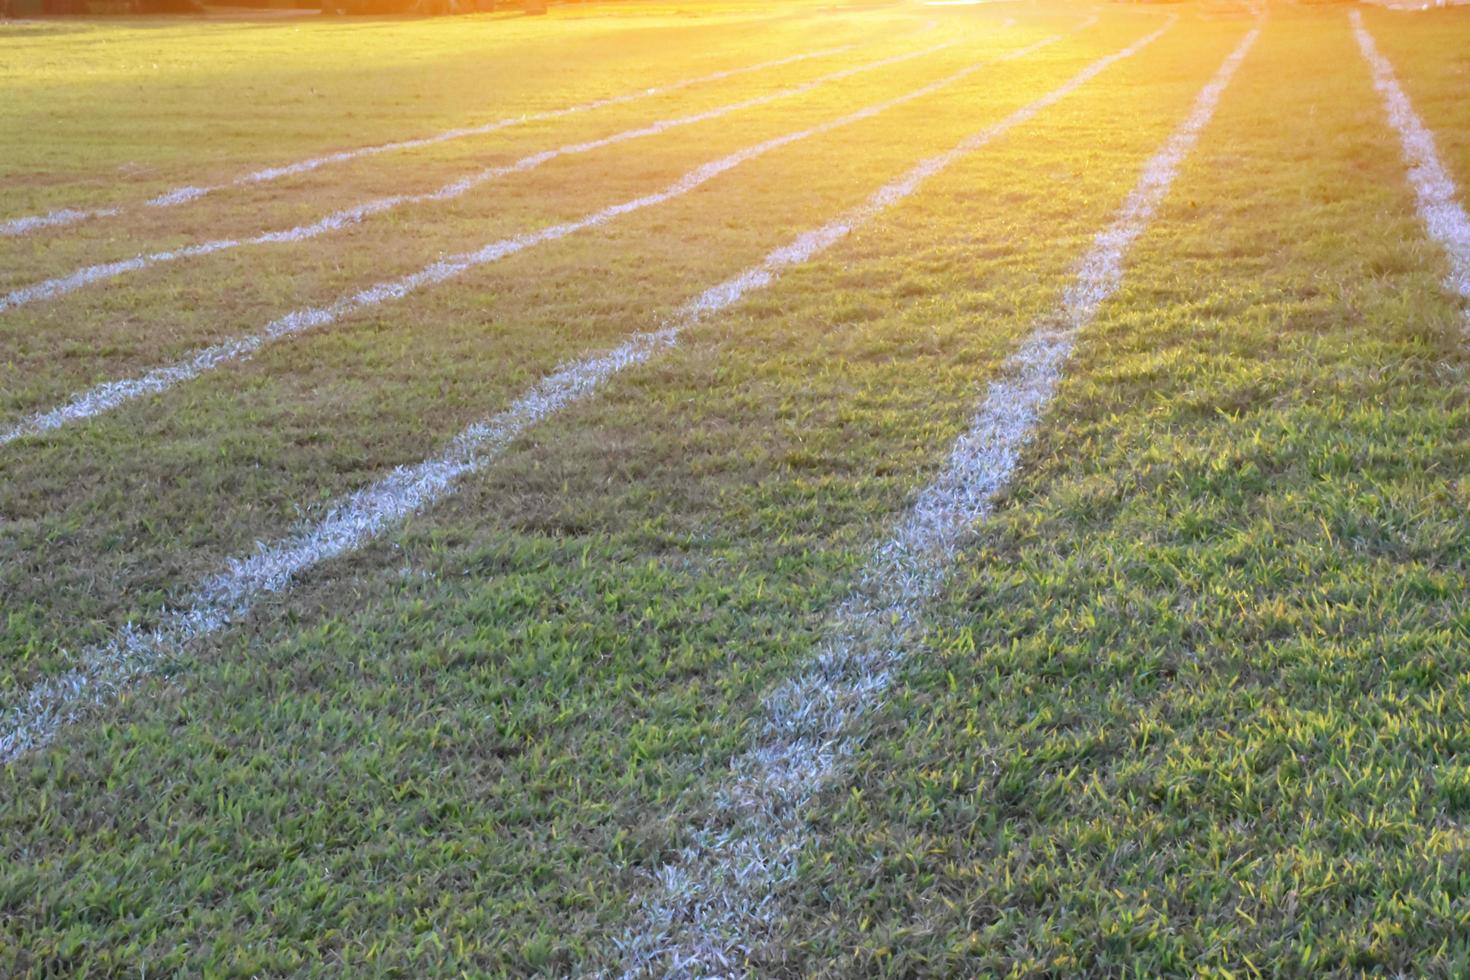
{"x": 115, "y": 393}
{"x": 56, "y": 286}
{"x": 183, "y": 194}
{"x": 360, "y": 516}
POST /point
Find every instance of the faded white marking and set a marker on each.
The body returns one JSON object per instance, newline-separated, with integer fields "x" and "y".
{"x": 182, "y": 195}
{"x": 61, "y": 285}
{"x": 62, "y": 216}
{"x": 109, "y": 395}
{"x": 719, "y": 901}
{"x": 304, "y": 166}
{"x": 104, "y": 670}
{"x": 1417, "y": 6}
{"x": 1434, "y": 189}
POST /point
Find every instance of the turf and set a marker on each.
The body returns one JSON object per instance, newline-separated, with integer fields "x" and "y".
{"x": 1191, "y": 704}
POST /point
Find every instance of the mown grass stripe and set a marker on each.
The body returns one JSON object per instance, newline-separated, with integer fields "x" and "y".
{"x": 345, "y": 217}
{"x": 112, "y": 394}
{"x": 1434, "y": 189}
{"x": 711, "y": 907}
{"x": 182, "y": 195}
{"x": 104, "y": 670}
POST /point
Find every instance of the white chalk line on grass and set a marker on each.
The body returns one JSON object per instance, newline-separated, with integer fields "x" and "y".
{"x": 105, "y": 670}
{"x": 182, "y": 195}
{"x": 53, "y": 219}
{"x": 111, "y": 394}
{"x": 61, "y": 285}
{"x": 1434, "y": 189}
{"x": 720, "y": 900}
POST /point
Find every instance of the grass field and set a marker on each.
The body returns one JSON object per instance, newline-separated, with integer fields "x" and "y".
{"x": 763, "y": 542}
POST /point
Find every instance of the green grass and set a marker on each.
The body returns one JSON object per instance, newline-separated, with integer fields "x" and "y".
{"x": 1192, "y": 703}
{"x": 1198, "y": 704}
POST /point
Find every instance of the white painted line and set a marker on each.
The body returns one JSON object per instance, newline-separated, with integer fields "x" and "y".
{"x": 105, "y": 670}
{"x": 1443, "y": 215}
{"x": 61, "y": 285}
{"x": 53, "y": 219}
{"x": 35, "y": 718}
{"x": 720, "y": 900}
{"x": 1417, "y": 6}
{"x": 109, "y": 395}
{"x": 181, "y": 195}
